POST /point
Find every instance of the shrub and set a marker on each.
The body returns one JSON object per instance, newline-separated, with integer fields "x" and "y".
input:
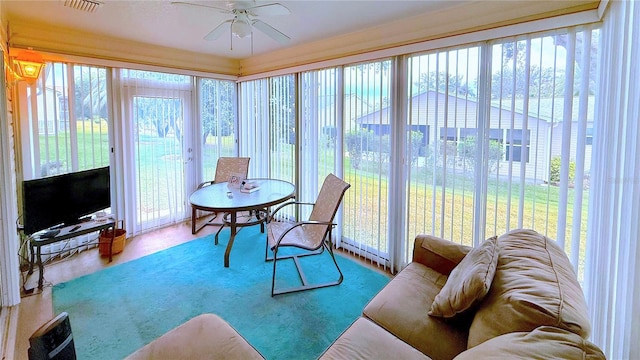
{"x": 554, "y": 171}
{"x": 467, "y": 153}
{"x": 357, "y": 142}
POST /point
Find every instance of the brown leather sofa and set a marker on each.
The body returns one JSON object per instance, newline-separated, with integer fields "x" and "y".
{"x": 515, "y": 296}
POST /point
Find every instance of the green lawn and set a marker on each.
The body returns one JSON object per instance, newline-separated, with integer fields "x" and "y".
{"x": 365, "y": 202}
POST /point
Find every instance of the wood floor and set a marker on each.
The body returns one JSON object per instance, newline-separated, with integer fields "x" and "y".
{"x": 37, "y": 308}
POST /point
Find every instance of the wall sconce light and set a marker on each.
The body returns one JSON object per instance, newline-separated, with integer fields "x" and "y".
{"x": 29, "y": 64}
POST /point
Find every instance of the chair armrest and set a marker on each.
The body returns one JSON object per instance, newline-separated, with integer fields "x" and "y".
{"x": 206, "y": 183}
{"x": 288, "y": 204}
{"x": 302, "y": 223}
{"x": 438, "y": 254}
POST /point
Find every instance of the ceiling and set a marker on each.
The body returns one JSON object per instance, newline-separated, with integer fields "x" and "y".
{"x": 159, "y": 22}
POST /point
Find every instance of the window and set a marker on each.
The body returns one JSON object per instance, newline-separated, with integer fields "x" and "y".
{"x": 366, "y": 156}
{"x": 319, "y": 137}
{"x": 449, "y": 134}
{"x": 440, "y": 181}
{"x": 282, "y": 127}
{"x": 508, "y": 157}
{"x": 70, "y": 130}
{"x": 544, "y": 101}
{"x": 589, "y": 138}
{"x": 217, "y": 123}
{"x": 67, "y": 128}
{"x": 514, "y": 141}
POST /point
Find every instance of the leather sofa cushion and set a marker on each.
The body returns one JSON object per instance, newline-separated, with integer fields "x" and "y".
{"x": 469, "y": 282}
{"x": 205, "y": 336}
{"x": 545, "y": 342}
{"x": 401, "y": 308}
{"x": 534, "y": 285}
{"x": 366, "y": 340}
{"x": 439, "y": 254}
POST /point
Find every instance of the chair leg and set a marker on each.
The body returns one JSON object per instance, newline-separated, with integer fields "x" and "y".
{"x": 273, "y": 276}
{"x": 218, "y": 233}
{"x": 305, "y": 284}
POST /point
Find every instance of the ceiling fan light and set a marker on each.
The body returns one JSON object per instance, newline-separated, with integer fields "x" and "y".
{"x": 241, "y": 29}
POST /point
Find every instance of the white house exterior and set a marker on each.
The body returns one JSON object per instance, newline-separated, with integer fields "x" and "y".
{"x": 439, "y": 117}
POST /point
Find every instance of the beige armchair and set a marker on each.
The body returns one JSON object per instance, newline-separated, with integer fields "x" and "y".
{"x": 313, "y": 235}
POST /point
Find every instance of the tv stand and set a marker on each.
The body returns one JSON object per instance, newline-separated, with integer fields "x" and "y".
{"x": 70, "y": 223}
{"x": 36, "y": 241}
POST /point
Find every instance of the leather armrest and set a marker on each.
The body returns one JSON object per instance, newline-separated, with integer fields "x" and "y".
{"x": 438, "y": 254}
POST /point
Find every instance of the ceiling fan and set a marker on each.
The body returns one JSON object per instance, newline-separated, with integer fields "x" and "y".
{"x": 244, "y": 20}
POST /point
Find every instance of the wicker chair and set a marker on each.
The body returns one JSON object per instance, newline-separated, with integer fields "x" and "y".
{"x": 312, "y": 236}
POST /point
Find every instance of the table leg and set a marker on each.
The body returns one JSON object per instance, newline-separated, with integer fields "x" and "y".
{"x": 262, "y": 221}
{"x": 266, "y": 218}
{"x": 40, "y": 268}
{"x": 33, "y": 257}
{"x": 193, "y": 220}
{"x": 232, "y": 237}
{"x": 113, "y": 238}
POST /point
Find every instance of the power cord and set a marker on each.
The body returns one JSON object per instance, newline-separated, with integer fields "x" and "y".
{"x": 55, "y": 258}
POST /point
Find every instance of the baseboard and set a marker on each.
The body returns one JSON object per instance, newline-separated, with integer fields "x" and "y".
{"x": 9, "y": 323}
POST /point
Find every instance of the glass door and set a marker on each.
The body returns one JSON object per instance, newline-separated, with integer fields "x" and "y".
{"x": 159, "y": 155}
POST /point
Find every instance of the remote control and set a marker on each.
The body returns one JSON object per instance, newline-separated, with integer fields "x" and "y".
{"x": 49, "y": 234}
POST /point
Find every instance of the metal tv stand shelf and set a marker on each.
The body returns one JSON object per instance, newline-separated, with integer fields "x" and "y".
{"x": 65, "y": 233}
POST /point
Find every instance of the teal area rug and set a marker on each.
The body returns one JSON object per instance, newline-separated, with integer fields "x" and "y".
{"x": 117, "y": 310}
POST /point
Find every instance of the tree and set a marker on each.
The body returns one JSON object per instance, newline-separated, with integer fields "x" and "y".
{"x": 163, "y": 113}
{"x": 457, "y": 85}
{"x": 562, "y": 40}
{"x": 217, "y": 115}
{"x": 540, "y": 81}
{"x": 90, "y": 92}
{"x": 282, "y": 111}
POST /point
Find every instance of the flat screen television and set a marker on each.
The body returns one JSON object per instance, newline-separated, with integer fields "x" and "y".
{"x": 64, "y": 199}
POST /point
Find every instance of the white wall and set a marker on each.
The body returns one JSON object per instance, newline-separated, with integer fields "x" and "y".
{"x": 9, "y": 271}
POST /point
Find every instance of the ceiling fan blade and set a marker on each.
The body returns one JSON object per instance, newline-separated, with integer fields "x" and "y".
{"x": 218, "y": 31}
{"x": 271, "y": 31}
{"x": 268, "y": 10}
{"x": 219, "y": 9}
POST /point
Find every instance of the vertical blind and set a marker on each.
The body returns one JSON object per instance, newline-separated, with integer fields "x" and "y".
{"x": 282, "y": 128}
{"x": 156, "y": 108}
{"x": 613, "y": 270}
{"x": 253, "y": 125}
{"x": 68, "y": 130}
{"x": 67, "y": 110}
{"x": 513, "y": 153}
{"x": 443, "y": 120}
{"x": 156, "y": 137}
{"x": 366, "y": 152}
{"x": 217, "y": 133}
{"x": 499, "y": 136}
{"x": 320, "y": 140}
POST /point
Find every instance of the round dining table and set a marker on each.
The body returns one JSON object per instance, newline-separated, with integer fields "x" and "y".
{"x": 230, "y": 200}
